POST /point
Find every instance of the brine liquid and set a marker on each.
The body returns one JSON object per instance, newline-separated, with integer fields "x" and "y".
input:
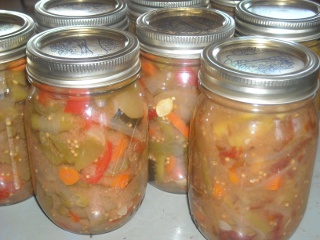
{"x": 15, "y": 180}
{"x": 250, "y": 173}
{"x": 172, "y": 89}
{"x": 88, "y": 156}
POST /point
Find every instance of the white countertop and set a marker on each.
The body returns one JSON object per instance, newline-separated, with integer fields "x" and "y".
{"x": 162, "y": 216}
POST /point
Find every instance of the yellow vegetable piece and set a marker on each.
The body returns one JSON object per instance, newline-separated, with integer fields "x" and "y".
{"x": 164, "y": 107}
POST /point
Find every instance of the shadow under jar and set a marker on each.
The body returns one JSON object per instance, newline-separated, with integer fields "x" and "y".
{"x": 86, "y": 126}
{"x": 171, "y": 42}
{"x": 253, "y": 139}
{"x": 15, "y": 181}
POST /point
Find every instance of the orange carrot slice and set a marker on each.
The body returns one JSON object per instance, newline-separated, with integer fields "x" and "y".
{"x": 274, "y": 183}
{"x": 179, "y": 124}
{"x": 119, "y": 151}
{"x": 68, "y": 175}
{"x": 218, "y": 191}
{"x": 120, "y": 181}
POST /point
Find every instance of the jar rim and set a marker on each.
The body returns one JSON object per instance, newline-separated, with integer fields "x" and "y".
{"x": 260, "y": 70}
{"x": 16, "y": 29}
{"x": 294, "y": 20}
{"x": 138, "y": 7}
{"x": 56, "y": 13}
{"x": 182, "y": 32}
{"x": 84, "y": 56}
{"x": 229, "y": 3}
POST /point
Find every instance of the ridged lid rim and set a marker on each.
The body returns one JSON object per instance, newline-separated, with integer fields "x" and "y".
{"x": 138, "y": 7}
{"x": 45, "y": 18}
{"x": 230, "y": 3}
{"x": 16, "y": 28}
{"x": 282, "y": 71}
{"x": 249, "y": 22}
{"x": 82, "y": 56}
{"x": 175, "y": 42}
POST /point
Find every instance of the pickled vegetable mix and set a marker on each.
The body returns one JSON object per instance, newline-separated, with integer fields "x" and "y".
{"x": 87, "y": 135}
{"x": 170, "y": 80}
{"x": 15, "y": 180}
{"x": 253, "y": 147}
{"x": 169, "y": 118}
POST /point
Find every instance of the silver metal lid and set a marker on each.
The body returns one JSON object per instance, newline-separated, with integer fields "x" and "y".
{"x": 182, "y": 32}
{"x": 138, "y": 7}
{"x": 82, "y": 57}
{"x": 15, "y": 30}
{"x": 260, "y": 70}
{"x": 295, "y": 20}
{"x": 230, "y": 3}
{"x": 57, "y": 13}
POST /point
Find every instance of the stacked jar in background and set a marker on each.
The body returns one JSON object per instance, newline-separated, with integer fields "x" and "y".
{"x": 15, "y": 183}
{"x": 55, "y": 13}
{"x": 171, "y": 41}
{"x": 296, "y": 20}
{"x": 228, "y": 6}
{"x": 138, "y": 7}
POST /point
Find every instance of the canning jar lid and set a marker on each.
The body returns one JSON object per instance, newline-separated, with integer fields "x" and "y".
{"x": 229, "y": 3}
{"x": 57, "y": 13}
{"x": 260, "y": 70}
{"x": 15, "y": 30}
{"x": 182, "y": 32}
{"x": 83, "y": 57}
{"x": 294, "y": 20}
{"x": 138, "y": 7}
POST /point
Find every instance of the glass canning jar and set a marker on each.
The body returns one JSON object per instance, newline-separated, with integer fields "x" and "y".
{"x": 86, "y": 126}
{"x": 15, "y": 30}
{"x": 226, "y": 6}
{"x": 253, "y": 139}
{"x": 292, "y": 20}
{"x": 171, "y": 41}
{"x": 56, "y": 13}
{"x": 139, "y": 7}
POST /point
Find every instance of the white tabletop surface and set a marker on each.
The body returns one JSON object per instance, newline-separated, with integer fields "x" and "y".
{"x": 162, "y": 216}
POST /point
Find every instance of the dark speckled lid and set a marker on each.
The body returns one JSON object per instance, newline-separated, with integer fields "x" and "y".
{"x": 182, "y": 32}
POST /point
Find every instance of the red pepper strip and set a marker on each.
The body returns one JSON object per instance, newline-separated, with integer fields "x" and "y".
{"x": 77, "y": 105}
{"x": 4, "y": 193}
{"x": 152, "y": 113}
{"x": 232, "y": 153}
{"x": 6, "y": 187}
{"x": 74, "y": 216}
{"x": 93, "y": 173}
